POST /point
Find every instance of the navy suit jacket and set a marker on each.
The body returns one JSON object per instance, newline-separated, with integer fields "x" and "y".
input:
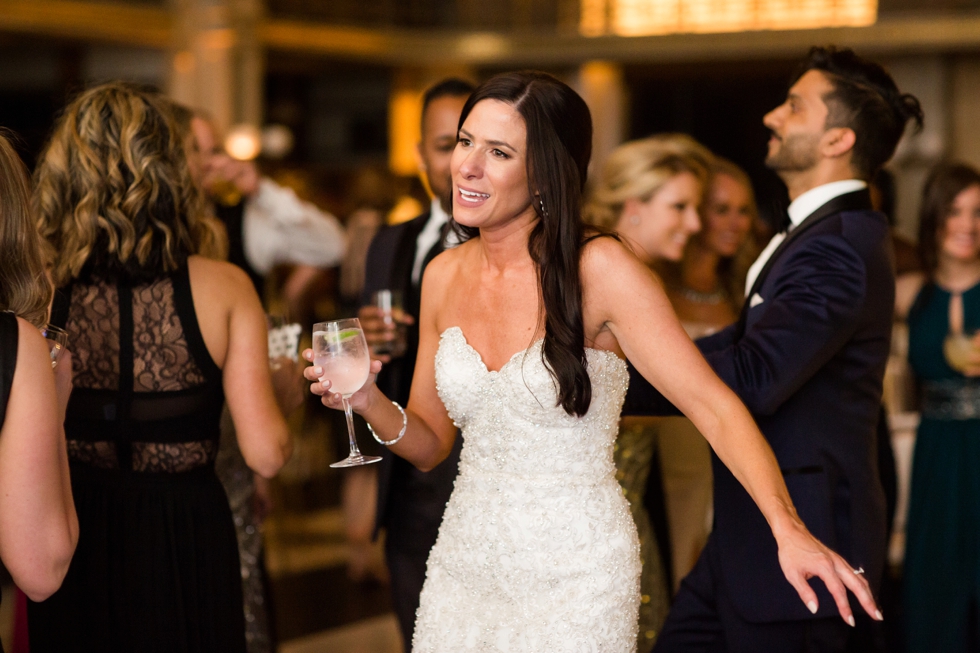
{"x": 808, "y": 361}
{"x": 410, "y": 502}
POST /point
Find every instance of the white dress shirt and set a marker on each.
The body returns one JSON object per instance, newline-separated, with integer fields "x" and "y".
{"x": 278, "y": 227}
{"x": 799, "y": 210}
{"x": 429, "y": 236}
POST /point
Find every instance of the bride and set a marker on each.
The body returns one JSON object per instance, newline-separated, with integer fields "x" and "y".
{"x": 522, "y": 332}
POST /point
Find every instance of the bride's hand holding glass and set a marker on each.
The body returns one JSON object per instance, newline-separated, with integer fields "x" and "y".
{"x": 341, "y": 362}
{"x": 358, "y": 401}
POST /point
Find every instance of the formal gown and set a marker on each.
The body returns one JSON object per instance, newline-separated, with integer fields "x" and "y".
{"x": 156, "y": 567}
{"x": 942, "y": 555}
{"x": 537, "y": 550}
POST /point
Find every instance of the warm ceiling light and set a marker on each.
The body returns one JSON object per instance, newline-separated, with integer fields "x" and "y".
{"x": 243, "y": 142}
{"x": 648, "y": 17}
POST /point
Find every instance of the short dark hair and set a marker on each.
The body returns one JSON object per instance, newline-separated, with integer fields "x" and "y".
{"x": 945, "y": 182}
{"x": 866, "y": 100}
{"x": 450, "y": 87}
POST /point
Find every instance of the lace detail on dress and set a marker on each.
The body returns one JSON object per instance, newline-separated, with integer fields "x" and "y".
{"x": 93, "y": 336}
{"x": 96, "y": 454}
{"x": 172, "y": 458}
{"x": 162, "y": 361}
{"x": 147, "y": 456}
{"x": 537, "y": 550}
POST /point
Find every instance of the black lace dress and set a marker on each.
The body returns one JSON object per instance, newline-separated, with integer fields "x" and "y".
{"x": 156, "y": 568}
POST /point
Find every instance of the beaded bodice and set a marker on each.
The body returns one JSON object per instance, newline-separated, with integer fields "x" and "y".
{"x": 509, "y": 414}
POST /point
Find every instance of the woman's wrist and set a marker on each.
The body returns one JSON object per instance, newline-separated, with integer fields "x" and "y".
{"x": 783, "y": 520}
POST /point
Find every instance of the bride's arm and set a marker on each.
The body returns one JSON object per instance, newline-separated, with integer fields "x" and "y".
{"x": 430, "y": 432}
{"x": 623, "y": 296}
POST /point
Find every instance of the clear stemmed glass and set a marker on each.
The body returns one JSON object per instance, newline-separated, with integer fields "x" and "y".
{"x": 340, "y": 349}
{"x": 57, "y": 341}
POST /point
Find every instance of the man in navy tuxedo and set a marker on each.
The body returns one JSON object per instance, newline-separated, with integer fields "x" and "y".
{"x": 410, "y": 502}
{"x": 807, "y": 357}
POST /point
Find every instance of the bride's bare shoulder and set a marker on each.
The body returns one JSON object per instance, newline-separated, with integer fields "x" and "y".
{"x": 604, "y": 254}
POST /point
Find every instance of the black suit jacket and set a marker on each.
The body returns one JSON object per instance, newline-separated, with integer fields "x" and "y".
{"x": 807, "y": 356}
{"x": 410, "y": 502}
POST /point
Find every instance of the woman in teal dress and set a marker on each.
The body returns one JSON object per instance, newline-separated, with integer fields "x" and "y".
{"x": 942, "y": 557}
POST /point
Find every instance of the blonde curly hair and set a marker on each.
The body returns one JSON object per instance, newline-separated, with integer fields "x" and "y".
{"x": 113, "y": 195}
{"x": 24, "y": 285}
{"x": 638, "y": 169}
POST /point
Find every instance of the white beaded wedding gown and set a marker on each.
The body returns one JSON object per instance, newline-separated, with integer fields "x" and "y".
{"x": 537, "y": 551}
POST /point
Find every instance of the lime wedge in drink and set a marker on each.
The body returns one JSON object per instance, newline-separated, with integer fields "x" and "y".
{"x": 337, "y": 336}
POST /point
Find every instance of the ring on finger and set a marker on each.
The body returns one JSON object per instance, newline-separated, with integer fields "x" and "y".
{"x": 859, "y": 571}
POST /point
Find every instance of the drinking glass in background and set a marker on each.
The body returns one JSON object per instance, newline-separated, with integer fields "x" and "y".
{"x": 340, "y": 349}
{"x": 57, "y": 341}
{"x": 958, "y": 348}
{"x": 389, "y": 302}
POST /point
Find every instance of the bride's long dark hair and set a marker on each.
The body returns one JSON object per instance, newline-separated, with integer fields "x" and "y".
{"x": 559, "y": 145}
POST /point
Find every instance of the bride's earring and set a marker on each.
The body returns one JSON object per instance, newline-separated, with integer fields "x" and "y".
{"x": 541, "y": 203}
{"x": 635, "y": 220}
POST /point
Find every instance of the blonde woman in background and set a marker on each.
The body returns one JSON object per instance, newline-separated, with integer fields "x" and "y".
{"x": 706, "y": 290}
{"x": 648, "y": 192}
{"x": 38, "y": 525}
{"x": 161, "y": 334}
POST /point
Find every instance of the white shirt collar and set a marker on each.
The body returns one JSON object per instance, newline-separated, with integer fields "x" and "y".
{"x": 437, "y": 215}
{"x": 803, "y": 206}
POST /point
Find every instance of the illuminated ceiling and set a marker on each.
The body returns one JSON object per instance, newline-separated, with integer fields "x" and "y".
{"x": 651, "y": 17}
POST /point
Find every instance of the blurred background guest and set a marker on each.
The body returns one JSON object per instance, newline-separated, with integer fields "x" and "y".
{"x": 411, "y": 502}
{"x": 707, "y": 289}
{"x": 267, "y": 223}
{"x": 38, "y": 524}
{"x": 162, "y": 335}
{"x": 648, "y": 193}
{"x": 371, "y": 197}
{"x": 942, "y": 305}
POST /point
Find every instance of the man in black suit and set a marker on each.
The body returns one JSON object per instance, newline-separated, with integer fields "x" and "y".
{"x": 410, "y": 502}
{"x": 807, "y": 357}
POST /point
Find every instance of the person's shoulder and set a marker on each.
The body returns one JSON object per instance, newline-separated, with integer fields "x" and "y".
{"x": 390, "y": 235}
{"x": 448, "y": 261}
{"x": 219, "y": 273}
{"x": 31, "y": 345}
{"x": 602, "y": 251}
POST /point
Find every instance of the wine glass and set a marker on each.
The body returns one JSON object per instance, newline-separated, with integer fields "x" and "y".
{"x": 340, "y": 349}
{"x": 57, "y": 341}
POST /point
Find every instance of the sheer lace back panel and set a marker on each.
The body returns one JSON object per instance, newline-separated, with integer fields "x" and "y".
{"x": 147, "y": 394}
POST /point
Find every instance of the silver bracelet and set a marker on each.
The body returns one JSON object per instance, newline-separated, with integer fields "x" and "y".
{"x": 401, "y": 433}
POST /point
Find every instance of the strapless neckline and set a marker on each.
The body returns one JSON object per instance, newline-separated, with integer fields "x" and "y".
{"x": 523, "y": 352}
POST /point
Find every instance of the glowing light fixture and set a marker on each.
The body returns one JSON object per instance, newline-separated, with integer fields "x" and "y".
{"x": 243, "y": 142}
{"x": 650, "y": 17}
{"x": 404, "y": 116}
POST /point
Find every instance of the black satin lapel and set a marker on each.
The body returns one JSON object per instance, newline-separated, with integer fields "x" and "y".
{"x": 435, "y": 251}
{"x": 859, "y": 200}
{"x": 405, "y": 252}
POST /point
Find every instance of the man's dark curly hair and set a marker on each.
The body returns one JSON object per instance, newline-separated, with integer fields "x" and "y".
{"x": 866, "y": 100}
